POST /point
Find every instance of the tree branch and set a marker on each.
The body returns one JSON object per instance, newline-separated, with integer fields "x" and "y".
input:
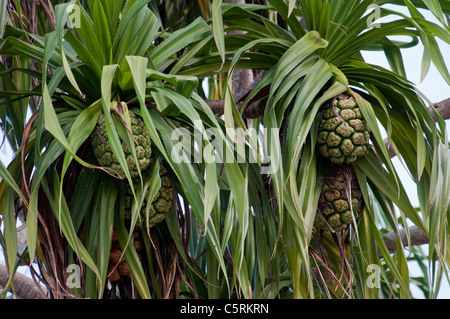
{"x": 417, "y": 238}
{"x": 24, "y": 287}
{"x": 252, "y": 111}
{"x": 442, "y": 108}
{"x": 256, "y": 109}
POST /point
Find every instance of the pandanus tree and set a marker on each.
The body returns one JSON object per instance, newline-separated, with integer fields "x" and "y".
{"x": 146, "y": 169}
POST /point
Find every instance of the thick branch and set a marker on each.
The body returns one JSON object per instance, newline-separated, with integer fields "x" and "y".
{"x": 417, "y": 238}
{"x": 443, "y": 108}
{"x": 24, "y": 287}
{"x": 252, "y": 111}
{"x": 256, "y": 109}
{"x": 217, "y": 106}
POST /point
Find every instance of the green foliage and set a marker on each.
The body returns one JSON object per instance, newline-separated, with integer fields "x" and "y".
{"x": 239, "y": 227}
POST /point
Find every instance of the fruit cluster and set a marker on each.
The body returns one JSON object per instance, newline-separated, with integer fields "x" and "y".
{"x": 343, "y": 133}
{"x": 343, "y": 137}
{"x": 117, "y": 266}
{"x": 105, "y": 156}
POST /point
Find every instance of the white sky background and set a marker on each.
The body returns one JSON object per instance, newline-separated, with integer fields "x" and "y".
{"x": 433, "y": 86}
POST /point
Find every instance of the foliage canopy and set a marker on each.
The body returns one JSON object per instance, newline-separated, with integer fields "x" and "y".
{"x": 240, "y": 227}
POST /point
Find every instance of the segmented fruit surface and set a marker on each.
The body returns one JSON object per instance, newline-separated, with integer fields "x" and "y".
{"x": 340, "y": 200}
{"x": 160, "y": 206}
{"x": 105, "y": 156}
{"x": 343, "y": 133}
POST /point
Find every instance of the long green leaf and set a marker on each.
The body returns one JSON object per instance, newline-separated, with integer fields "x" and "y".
{"x": 217, "y": 23}
{"x": 10, "y": 231}
{"x": 61, "y": 14}
{"x": 179, "y": 40}
{"x": 295, "y": 55}
{"x": 64, "y": 220}
{"x": 133, "y": 262}
{"x": 389, "y": 185}
{"x": 108, "y": 195}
